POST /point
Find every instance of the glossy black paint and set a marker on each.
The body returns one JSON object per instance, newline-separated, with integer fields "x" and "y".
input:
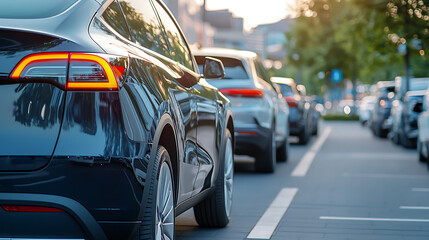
{"x": 94, "y": 147}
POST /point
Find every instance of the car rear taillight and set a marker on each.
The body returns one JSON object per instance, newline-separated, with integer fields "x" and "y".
{"x": 20, "y": 208}
{"x": 291, "y": 101}
{"x": 50, "y": 66}
{"x": 246, "y": 92}
{"x": 77, "y": 71}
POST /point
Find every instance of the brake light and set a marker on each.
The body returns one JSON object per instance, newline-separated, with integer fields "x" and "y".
{"x": 257, "y": 93}
{"x": 382, "y": 103}
{"x": 42, "y": 65}
{"x": 77, "y": 71}
{"x": 19, "y": 208}
{"x": 291, "y": 101}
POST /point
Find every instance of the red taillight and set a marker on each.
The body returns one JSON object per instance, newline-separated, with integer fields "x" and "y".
{"x": 291, "y": 101}
{"x": 243, "y": 92}
{"x": 79, "y": 71}
{"x": 247, "y": 133}
{"x": 48, "y": 65}
{"x": 19, "y": 208}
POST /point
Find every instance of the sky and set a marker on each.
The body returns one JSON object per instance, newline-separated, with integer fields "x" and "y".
{"x": 254, "y": 12}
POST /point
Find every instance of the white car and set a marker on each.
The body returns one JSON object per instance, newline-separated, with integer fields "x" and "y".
{"x": 260, "y": 112}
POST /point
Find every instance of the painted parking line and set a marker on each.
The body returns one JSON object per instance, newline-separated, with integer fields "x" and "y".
{"x": 381, "y": 175}
{"x": 269, "y": 221}
{"x": 374, "y": 219}
{"x": 414, "y": 207}
{"x": 420, "y": 189}
{"x": 304, "y": 164}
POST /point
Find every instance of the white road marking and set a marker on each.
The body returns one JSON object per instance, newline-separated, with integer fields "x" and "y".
{"x": 269, "y": 221}
{"x": 304, "y": 164}
{"x": 414, "y": 207}
{"x": 381, "y": 175}
{"x": 374, "y": 219}
{"x": 420, "y": 189}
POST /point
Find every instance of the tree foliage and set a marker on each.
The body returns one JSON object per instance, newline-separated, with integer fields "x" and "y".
{"x": 360, "y": 37}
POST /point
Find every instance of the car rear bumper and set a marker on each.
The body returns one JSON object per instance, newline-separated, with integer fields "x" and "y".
{"x": 296, "y": 127}
{"x": 75, "y": 222}
{"x": 250, "y": 139}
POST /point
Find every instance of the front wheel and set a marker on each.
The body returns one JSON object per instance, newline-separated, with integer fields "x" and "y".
{"x": 215, "y": 210}
{"x": 158, "y": 217}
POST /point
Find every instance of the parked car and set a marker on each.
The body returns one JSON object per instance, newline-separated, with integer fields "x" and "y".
{"x": 259, "y": 120}
{"x": 405, "y": 111}
{"x": 300, "y": 119}
{"x": 365, "y": 109}
{"x": 423, "y": 135}
{"x": 381, "y": 112}
{"x": 316, "y": 108}
{"x": 108, "y": 130}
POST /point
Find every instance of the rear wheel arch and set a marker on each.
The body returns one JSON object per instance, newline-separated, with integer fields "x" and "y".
{"x": 165, "y": 136}
{"x": 230, "y": 127}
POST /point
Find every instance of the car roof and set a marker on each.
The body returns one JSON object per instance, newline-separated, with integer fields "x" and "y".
{"x": 282, "y": 80}
{"x": 416, "y": 93}
{"x": 223, "y": 52}
{"x": 382, "y": 84}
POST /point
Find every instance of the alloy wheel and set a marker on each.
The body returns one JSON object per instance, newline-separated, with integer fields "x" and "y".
{"x": 228, "y": 176}
{"x": 164, "y": 222}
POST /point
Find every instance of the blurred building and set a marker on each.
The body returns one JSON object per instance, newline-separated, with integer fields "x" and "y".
{"x": 228, "y": 29}
{"x": 269, "y": 40}
{"x": 223, "y": 29}
{"x": 189, "y": 15}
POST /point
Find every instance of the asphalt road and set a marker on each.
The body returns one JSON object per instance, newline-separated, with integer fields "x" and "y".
{"x": 345, "y": 184}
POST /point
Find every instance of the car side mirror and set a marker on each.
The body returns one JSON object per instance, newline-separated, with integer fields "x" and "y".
{"x": 213, "y": 68}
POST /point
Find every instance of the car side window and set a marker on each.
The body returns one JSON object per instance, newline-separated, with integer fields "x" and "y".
{"x": 260, "y": 71}
{"x": 114, "y": 17}
{"x": 144, "y": 25}
{"x": 179, "y": 48}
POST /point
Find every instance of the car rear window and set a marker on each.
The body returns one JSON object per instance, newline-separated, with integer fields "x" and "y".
{"x": 286, "y": 90}
{"x": 234, "y": 68}
{"x": 29, "y": 9}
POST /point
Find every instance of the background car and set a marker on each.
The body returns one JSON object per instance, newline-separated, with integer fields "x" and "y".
{"x": 423, "y": 135}
{"x": 107, "y": 129}
{"x": 300, "y": 119}
{"x": 405, "y": 111}
{"x": 259, "y": 128}
{"x": 365, "y": 109}
{"x": 316, "y": 109}
{"x": 381, "y": 112}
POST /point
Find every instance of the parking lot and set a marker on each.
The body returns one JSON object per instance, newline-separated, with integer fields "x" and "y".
{"x": 344, "y": 184}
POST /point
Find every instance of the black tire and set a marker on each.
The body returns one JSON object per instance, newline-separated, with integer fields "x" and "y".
{"x": 304, "y": 137}
{"x": 147, "y": 227}
{"x": 211, "y": 212}
{"x": 266, "y": 160}
{"x": 315, "y": 130}
{"x": 283, "y": 151}
{"x": 422, "y": 158}
{"x": 380, "y": 133}
{"x": 406, "y": 142}
{"x": 395, "y": 137}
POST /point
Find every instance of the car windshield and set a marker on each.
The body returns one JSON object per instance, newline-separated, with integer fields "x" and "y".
{"x": 234, "y": 68}
{"x": 286, "y": 90}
